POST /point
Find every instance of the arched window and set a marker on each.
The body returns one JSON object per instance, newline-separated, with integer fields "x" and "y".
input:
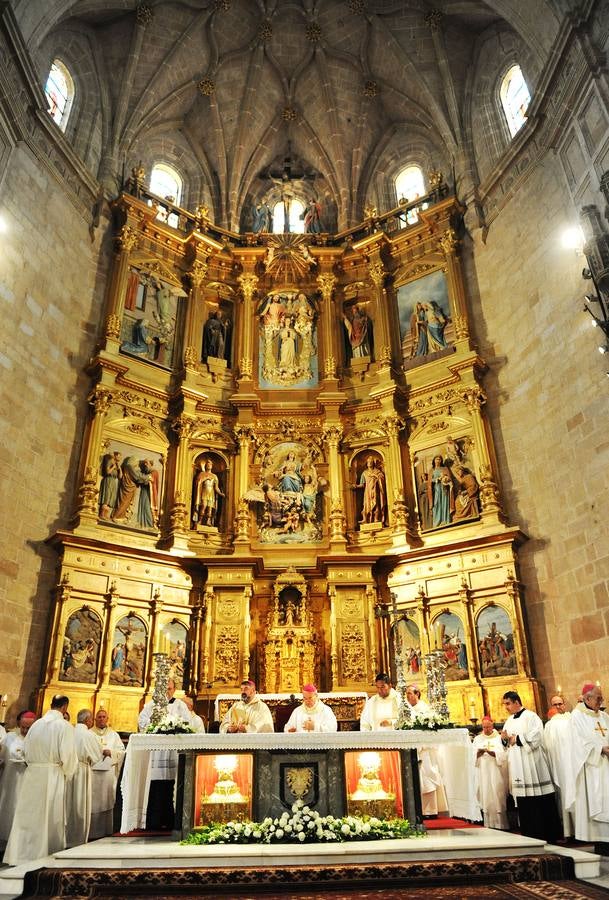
{"x": 297, "y": 210}
{"x": 59, "y": 91}
{"x": 410, "y": 185}
{"x": 166, "y": 183}
{"x": 515, "y": 98}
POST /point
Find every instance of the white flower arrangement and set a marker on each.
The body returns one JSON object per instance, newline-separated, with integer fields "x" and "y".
{"x": 427, "y": 721}
{"x": 303, "y": 825}
{"x": 168, "y": 725}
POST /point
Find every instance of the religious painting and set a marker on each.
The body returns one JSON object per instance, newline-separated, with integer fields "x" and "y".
{"x": 172, "y": 641}
{"x": 208, "y": 492}
{"x": 407, "y": 648}
{"x": 448, "y": 492}
{"x": 130, "y": 486}
{"x": 289, "y": 496}
{"x": 223, "y": 787}
{"x": 370, "y": 488}
{"x": 426, "y": 326}
{"x": 151, "y": 319}
{"x": 128, "y": 656}
{"x": 358, "y": 332}
{"x": 287, "y": 341}
{"x": 81, "y": 643}
{"x": 449, "y": 636}
{"x": 373, "y": 782}
{"x": 217, "y": 336}
{"x": 495, "y": 636}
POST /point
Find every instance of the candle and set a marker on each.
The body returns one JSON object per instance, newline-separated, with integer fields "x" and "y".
{"x": 472, "y": 708}
{"x": 558, "y": 689}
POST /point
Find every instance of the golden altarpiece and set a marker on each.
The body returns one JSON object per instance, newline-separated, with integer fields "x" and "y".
{"x": 287, "y": 458}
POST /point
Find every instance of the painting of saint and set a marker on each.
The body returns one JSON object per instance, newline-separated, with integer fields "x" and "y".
{"x": 172, "y": 641}
{"x": 448, "y": 492}
{"x": 407, "y": 647}
{"x": 130, "y": 486}
{"x": 127, "y": 666}
{"x": 289, "y": 496}
{"x": 426, "y": 327}
{"x": 287, "y": 341}
{"x": 449, "y": 636}
{"x": 151, "y": 318}
{"x": 81, "y": 643}
{"x": 495, "y": 636}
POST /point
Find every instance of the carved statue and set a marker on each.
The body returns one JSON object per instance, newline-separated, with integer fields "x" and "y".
{"x": 206, "y": 493}
{"x": 372, "y": 482}
{"x": 108, "y": 492}
{"x": 359, "y": 336}
{"x": 216, "y": 337}
{"x": 262, "y": 219}
{"x": 312, "y": 218}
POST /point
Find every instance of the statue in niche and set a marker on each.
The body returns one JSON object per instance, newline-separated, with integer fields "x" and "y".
{"x": 466, "y": 500}
{"x": 262, "y": 219}
{"x": 312, "y": 218}
{"x": 359, "y": 340}
{"x": 441, "y": 492}
{"x": 108, "y": 491}
{"x": 288, "y": 353}
{"x": 289, "y": 494}
{"x": 206, "y": 493}
{"x": 290, "y": 612}
{"x": 139, "y": 479}
{"x": 216, "y": 333}
{"x": 448, "y": 492}
{"x": 372, "y": 483}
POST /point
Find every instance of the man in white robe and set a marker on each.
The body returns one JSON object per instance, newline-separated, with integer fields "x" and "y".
{"x": 196, "y": 721}
{"x": 39, "y": 826}
{"x": 531, "y": 784}
{"x": 433, "y": 795}
{"x": 250, "y": 714}
{"x": 381, "y": 710}
{"x": 490, "y": 761}
{"x": 557, "y": 742}
{"x": 589, "y": 801}
{"x": 104, "y": 777}
{"x": 78, "y": 787}
{"x": 12, "y": 763}
{"x": 312, "y": 714}
{"x": 163, "y": 767}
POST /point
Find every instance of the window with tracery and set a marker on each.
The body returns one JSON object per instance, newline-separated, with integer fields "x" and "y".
{"x": 59, "y": 91}
{"x": 296, "y": 217}
{"x": 515, "y": 98}
{"x": 165, "y": 182}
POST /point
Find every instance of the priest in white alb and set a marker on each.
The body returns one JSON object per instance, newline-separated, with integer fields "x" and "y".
{"x": 104, "y": 777}
{"x": 589, "y": 802}
{"x": 249, "y": 715}
{"x": 490, "y": 761}
{"x": 39, "y": 826}
{"x": 381, "y": 710}
{"x": 12, "y": 767}
{"x": 196, "y": 722}
{"x": 78, "y": 787}
{"x": 433, "y": 795}
{"x": 312, "y": 714}
{"x": 557, "y": 741}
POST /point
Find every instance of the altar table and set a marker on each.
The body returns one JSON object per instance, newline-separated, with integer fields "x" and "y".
{"x": 454, "y": 746}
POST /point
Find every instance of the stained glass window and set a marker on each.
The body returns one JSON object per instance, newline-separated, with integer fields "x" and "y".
{"x": 515, "y": 98}
{"x": 59, "y": 92}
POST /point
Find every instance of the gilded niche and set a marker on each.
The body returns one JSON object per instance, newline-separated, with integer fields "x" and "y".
{"x": 287, "y": 341}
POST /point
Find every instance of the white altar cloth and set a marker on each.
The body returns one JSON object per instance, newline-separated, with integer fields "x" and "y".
{"x": 453, "y": 744}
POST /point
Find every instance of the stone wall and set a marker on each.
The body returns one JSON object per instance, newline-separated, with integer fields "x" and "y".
{"x": 50, "y": 302}
{"x": 548, "y": 405}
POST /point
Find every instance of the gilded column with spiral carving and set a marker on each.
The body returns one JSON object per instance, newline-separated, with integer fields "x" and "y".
{"x": 100, "y": 401}
{"x": 377, "y": 273}
{"x": 192, "y": 342}
{"x": 248, "y": 283}
{"x": 63, "y": 592}
{"x": 326, "y": 282}
{"x": 490, "y": 501}
{"x": 449, "y": 244}
{"x": 183, "y": 426}
{"x": 332, "y": 435}
{"x": 125, "y": 241}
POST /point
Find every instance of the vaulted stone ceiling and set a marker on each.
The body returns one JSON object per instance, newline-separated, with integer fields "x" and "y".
{"x": 228, "y": 85}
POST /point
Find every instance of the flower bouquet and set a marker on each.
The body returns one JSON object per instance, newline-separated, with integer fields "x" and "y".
{"x": 427, "y": 721}
{"x": 170, "y": 726}
{"x": 304, "y": 825}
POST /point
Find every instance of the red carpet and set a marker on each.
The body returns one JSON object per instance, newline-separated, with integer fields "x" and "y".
{"x": 447, "y": 822}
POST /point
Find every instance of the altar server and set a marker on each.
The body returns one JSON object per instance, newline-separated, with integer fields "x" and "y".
{"x": 530, "y": 780}
{"x": 312, "y": 714}
{"x": 104, "y": 777}
{"x": 12, "y": 762}
{"x": 78, "y": 787}
{"x": 39, "y": 824}
{"x": 490, "y": 761}
{"x": 589, "y": 802}
{"x": 433, "y": 795}
{"x": 250, "y": 714}
{"x": 381, "y": 710}
{"x": 557, "y": 741}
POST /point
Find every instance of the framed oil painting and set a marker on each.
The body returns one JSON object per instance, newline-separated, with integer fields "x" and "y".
{"x": 151, "y": 319}
{"x": 495, "y": 636}
{"x": 426, "y": 326}
{"x": 449, "y": 636}
{"x": 172, "y": 641}
{"x": 128, "y": 656}
{"x": 81, "y": 643}
{"x": 448, "y": 492}
{"x": 287, "y": 341}
{"x": 130, "y": 487}
{"x": 407, "y": 635}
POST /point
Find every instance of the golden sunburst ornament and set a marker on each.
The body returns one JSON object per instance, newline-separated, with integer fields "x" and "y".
{"x": 288, "y": 256}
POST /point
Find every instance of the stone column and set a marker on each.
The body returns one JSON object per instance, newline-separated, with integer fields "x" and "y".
{"x": 245, "y": 351}
{"x": 326, "y": 282}
{"x": 332, "y": 434}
